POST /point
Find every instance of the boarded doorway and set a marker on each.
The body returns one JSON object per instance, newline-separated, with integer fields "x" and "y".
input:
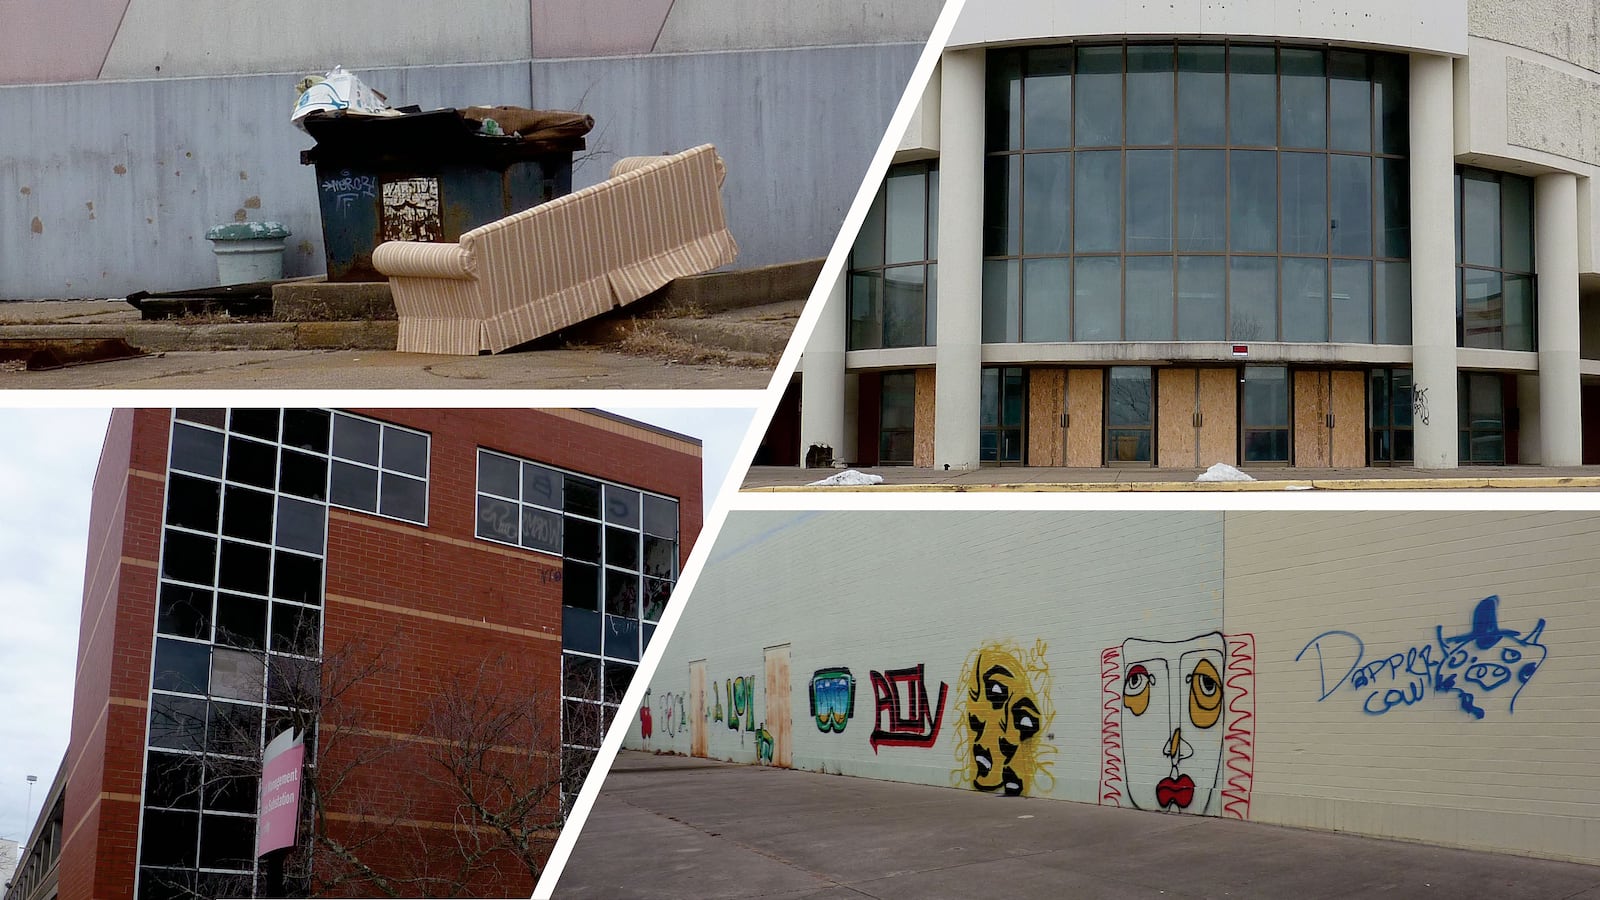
{"x": 778, "y": 719}
{"x": 697, "y": 709}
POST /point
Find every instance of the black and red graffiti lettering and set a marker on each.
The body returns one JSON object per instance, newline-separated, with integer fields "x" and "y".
{"x": 904, "y": 716}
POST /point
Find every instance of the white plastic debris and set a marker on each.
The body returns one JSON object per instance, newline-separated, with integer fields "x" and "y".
{"x": 1223, "y": 472}
{"x": 340, "y": 91}
{"x": 849, "y": 477}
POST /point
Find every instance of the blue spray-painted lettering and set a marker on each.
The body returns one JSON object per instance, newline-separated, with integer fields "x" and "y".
{"x": 1466, "y": 666}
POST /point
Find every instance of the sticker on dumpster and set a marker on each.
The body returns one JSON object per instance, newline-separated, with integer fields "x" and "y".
{"x": 411, "y": 210}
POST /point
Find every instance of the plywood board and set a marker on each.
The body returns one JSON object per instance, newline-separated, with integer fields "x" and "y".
{"x": 1348, "y": 403}
{"x": 697, "y": 708}
{"x": 1175, "y": 407}
{"x": 922, "y": 419}
{"x": 1219, "y": 417}
{"x": 777, "y": 722}
{"x": 1086, "y": 411}
{"x": 1310, "y": 419}
{"x": 1047, "y": 400}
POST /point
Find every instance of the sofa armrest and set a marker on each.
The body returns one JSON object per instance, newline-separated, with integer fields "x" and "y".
{"x": 422, "y": 260}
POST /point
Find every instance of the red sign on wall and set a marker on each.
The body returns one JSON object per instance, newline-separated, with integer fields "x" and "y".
{"x": 280, "y": 792}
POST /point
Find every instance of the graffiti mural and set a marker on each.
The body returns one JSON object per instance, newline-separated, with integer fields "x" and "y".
{"x": 833, "y": 698}
{"x": 741, "y": 702}
{"x": 671, "y": 713}
{"x": 716, "y": 693}
{"x": 904, "y": 717}
{"x": 1178, "y": 724}
{"x": 646, "y": 728}
{"x": 764, "y": 744}
{"x": 1486, "y": 663}
{"x": 1001, "y": 725}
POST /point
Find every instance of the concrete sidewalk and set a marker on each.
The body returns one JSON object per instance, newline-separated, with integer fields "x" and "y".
{"x": 1268, "y": 478}
{"x": 675, "y": 827}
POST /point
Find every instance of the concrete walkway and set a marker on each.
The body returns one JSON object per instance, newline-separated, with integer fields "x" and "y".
{"x": 674, "y": 827}
{"x": 1268, "y": 478}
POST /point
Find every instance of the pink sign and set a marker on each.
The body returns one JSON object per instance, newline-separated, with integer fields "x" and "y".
{"x": 280, "y": 793}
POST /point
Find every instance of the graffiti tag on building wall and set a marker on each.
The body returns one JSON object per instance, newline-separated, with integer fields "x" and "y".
{"x": 1178, "y": 724}
{"x": 646, "y": 727}
{"x": 672, "y": 714}
{"x": 764, "y": 744}
{"x": 1485, "y": 663}
{"x": 833, "y": 698}
{"x": 741, "y": 702}
{"x": 1005, "y": 711}
{"x": 904, "y": 717}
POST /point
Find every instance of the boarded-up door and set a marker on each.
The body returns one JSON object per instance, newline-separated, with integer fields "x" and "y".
{"x": 1086, "y": 391}
{"x": 697, "y": 709}
{"x": 1197, "y": 417}
{"x": 777, "y": 725}
{"x": 1047, "y": 407}
{"x": 1329, "y": 419}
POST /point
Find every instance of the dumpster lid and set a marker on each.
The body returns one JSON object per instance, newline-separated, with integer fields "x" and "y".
{"x": 247, "y": 231}
{"x": 436, "y": 134}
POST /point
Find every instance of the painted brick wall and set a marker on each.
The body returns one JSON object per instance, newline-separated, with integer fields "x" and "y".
{"x": 1129, "y": 610}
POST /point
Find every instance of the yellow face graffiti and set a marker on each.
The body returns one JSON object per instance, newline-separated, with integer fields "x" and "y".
{"x": 1205, "y": 694}
{"x": 1007, "y": 692}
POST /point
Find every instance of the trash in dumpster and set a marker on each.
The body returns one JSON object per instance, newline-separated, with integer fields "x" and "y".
{"x": 339, "y": 91}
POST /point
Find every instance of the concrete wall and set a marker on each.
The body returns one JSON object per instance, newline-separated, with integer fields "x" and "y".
{"x": 1428, "y": 25}
{"x": 1412, "y": 675}
{"x": 107, "y": 188}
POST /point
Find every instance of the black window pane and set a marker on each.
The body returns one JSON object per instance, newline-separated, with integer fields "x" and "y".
{"x": 261, "y": 423}
{"x": 580, "y": 629}
{"x": 582, "y": 540}
{"x": 184, "y": 611}
{"x": 404, "y": 498}
{"x": 580, "y": 585}
{"x": 252, "y": 462}
{"x": 181, "y": 666}
{"x": 297, "y": 577}
{"x": 618, "y": 677}
{"x": 234, "y": 729}
{"x": 622, "y": 593}
{"x": 541, "y": 529}
{"x": 303, "y": 475}
{"x": 622, "y": 506}
{"x": 216, "y": 418}
{"x": 497, "y": 519}
{"x": 169, "y": 838}
{"x": 660, "y": 557}
{"x": 405, "y": 451}
{"x": 1002, "y": 209}
{"x": 580, "y": 676}
{"x": 193, "y": 502}
{"x": 622, "y": 637}
{"x": 295, "y": 682}
{"x": 499, "y": 475}
{"x": 306, "y": 429}
{"x": 172, "y": 779}
{"x": 196, "y": 450}
{"x": 582, "y": 497}
{"x": 244, "y": 568}
{"x": 656, "y": 594}
{"x": 247, "y": 514}
{"x": 189, "y": 557}
{"x": 622, "y": 548}
{"x": 177, "y": 723}
{"x": 230, "y": 791}
{"x": 354, "y": 486}
{"x": 660, "y": 516}
{"x": 356, "y": 439}
{"x": 296, "y": 629}
{"x": 541, "y": 485}
{"x": 241, "y": 621}
{"x": 1004, "y": 113}
{"x": 228, "y": 842}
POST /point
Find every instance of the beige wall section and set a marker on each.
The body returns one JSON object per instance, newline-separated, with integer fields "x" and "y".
{"x": 1176, "y": 436}
{"x": 1518, "y": 779}
{"x": 1086, "y": 411}
{"x": 1047, "y": 400}
{"x": 1219, "y": 416}
{"x": 234, "y": 37}
{"x": 1438, "y": 26}
{"x": 923, "y": 419}
{"x": 1567, "y": 30}
{"x": 696, "y": 25}
{"x": 921, "y": 139}
{"x": 1552, "y": 111}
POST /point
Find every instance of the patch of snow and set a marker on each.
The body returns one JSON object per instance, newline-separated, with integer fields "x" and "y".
{"x": 1223, "y": 472}
{"x": 848, "y": 477}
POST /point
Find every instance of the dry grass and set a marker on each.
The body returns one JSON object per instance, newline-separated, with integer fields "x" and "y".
{"x": 642, "y": 340}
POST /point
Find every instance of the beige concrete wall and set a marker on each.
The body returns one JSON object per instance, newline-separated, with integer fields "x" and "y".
{"x": 698, "y": 25}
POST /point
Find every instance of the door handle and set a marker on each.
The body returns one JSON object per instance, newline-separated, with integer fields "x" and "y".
{"x": 1198, "y": 418}
{"x": 1330, "y": 420}
{"x": 1066, "y": 420}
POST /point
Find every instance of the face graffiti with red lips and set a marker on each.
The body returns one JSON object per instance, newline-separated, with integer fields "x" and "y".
{"x": 1172, "y": 701}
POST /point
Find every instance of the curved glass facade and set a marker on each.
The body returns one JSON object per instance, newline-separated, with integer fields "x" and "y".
{"x": 1196, "y": 192}
{"x": 894, "y": 270}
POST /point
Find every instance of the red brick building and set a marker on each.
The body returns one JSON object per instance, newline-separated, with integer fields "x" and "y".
{"x": 229, "y": 550}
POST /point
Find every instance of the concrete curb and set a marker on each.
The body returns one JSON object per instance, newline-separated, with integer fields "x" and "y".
{"x": 166, "y": 337}
{"x": 1117, "y": 487}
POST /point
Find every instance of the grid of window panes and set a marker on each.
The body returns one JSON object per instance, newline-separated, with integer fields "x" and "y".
{"x": 1390, "y": 412}
{"x": 1495, "y": 290}
{"x": 893, "y": 266}
{"x": 1002, "y": 393}
{"x": 1481, "y": 418}
{"x": 238, "y": 631}
{"x": 619, "y": 559}
{"x": 379, "y": 468}
{"x": 1158, "y": 192}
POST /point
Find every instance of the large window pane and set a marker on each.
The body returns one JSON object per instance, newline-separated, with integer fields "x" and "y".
{"x": 196, "y": 450}
{"x": 1002, "y": 209}
{"x": 1097, "y": 206}
{"x": 1305, "y": 202}
{"x": 1149, "y": 187}
{"x": 1202, "y": 96}
{"x": 903, "y": 304}
{"x": 1150, "y": 90}
{"x": 1481, "y": 309}
{"x": 866, "y": 311}
{"x": 1517, "y": 291}
{"x": 1516, "y": 223}
{"x": 1202, "y": 298}
{"x": 1265, "y": 414}
{"x": 868, "y": 248}
{"x": 1349, "y": 102}
{"x": 1097, "y": 299}
{"x": 1099, "y": 97}
{"x": 1149, "y": 299}
{"x": 1047, "y": 195}
{"x": 1303, "y": 106}
{"x": 1004, "y": 106}
{"x": 1048, "y": 120}
{"x": 1393, "y": 204}
{"x": 1253, "y": 201}
{"x": 1352, "y": 204}
{"x": 1390, "y": 75}
{"x": 1391, "y": 306}
{"x": 1252, "y": 299}
{"x": 1046, "y": 312}
{"x": 1352, "y": 301}
{"x": 1252, "y": 96}
{"x": 906, "y": 214}
{"x": 1001, "y": 323}
{"x": 1480, "y": 219}
{"x": 1202, "y": 200}
{"x": 1305, "y": 300}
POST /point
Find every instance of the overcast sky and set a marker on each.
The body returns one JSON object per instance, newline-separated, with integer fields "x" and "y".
{"x": 47, "y": 463}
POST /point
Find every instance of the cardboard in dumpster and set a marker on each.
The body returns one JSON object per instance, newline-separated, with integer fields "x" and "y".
{"x": 340, "y": 92}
